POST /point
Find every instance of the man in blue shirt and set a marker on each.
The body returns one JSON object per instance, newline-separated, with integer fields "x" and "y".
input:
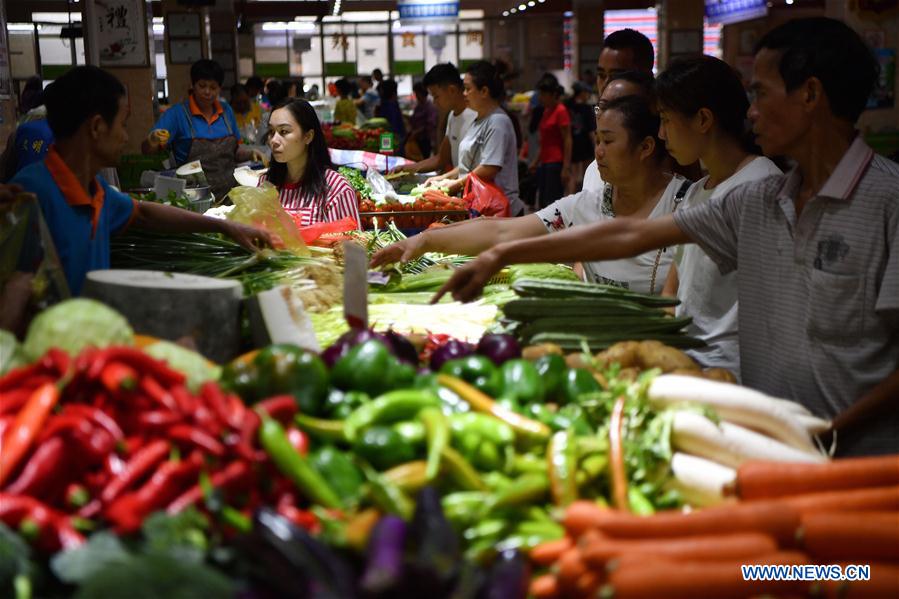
{"x": 87, "y": 109}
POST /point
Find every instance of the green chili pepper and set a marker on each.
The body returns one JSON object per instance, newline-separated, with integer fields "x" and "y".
{"x": 339, "y": 470}
{"x": 578, "y": 382}
{"x": 594, "y": 465}
{"x": 521, "y": 542}
{"x": 487, "y": 457}
{"x": 497, "y": 481}
{"x": 340, "y": 404}
{"x": 463, "y": 502}
{"x": 387, "y": 496}
{"x": 525, "y": 463}
{"x": 527, "y": 488}
{"x": 521, "y": 382}
{"x": 485, "y": 529}
{"x": 548, "y": 530}
{"x": 438, "y": 433}
{"x": 482, "y": 426}
{"x": 552, "y": 369}
{"x": 326, "y": 430}
{"x": 479, "y": 371}
{"x": 412, "y": 432}
{"x": 461, "y": 471}
{"x": 562, "y": 457}
{"x": 294, "y": 466}
{"x": 390, "y": 407}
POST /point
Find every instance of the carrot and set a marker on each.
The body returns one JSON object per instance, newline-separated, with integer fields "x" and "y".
{"x": 853, "y": 535}
{"x": 544, "y": 587}
{"x": 582, "y": 516}
{"x": 856, "y": 500}
{"x": 569, "y": 569}
{"x": 588, "y": 583}
{"x": 710, "y": 547}
{"x": 21, "y": 434}
{"x": 675, "y": 580}
{"x": 884, "y": 582}
{"x": 770, "y": 517}
{"x": 549, "y": 552}
{"x": 758, "y": 480}
{"x": 616, "y": 456}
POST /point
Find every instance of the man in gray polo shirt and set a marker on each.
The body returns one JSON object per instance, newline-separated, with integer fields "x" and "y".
{"x": 816, "y": 249}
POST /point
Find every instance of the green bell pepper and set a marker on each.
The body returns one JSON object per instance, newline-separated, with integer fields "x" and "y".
{"x": 339, "y": 470}
{"x": 340, "y": 404}
{"x": 289, "y": 369}
{"x": 411, "y": 431}
{"x": 521, "y": 382}
{"x": 241, "y": 377}
{"x": 383, "y": 447}
{"x": 479, "y": 371}
{"x": 578, "y": 382}
{"x": 552, "y": 369}
{"x": 364, "y": 368}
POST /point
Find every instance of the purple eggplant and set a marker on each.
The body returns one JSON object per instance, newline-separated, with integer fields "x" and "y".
{"x": 450, "y": 350}
{"x": 402, "y": 348}
{"x": 508, "y": 578}
{"x": 386, "y": 553}
{"x": 348, "y": 341}
{"x": 499, "y": 348}
{"x": 433, "y": 540}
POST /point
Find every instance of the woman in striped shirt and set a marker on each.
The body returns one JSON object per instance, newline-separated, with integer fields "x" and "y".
{"x": 301, "y": 167}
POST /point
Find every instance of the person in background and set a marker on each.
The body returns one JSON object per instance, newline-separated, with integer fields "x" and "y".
{"x": 295, "y": 88}
{"x": 28, "y": 144}
{"x": 378, "y": 78}
{"x": 345, "y": 110}
{"x": 703, "y": 117}
{"x": 814, "y": 249}
{"x": 632, "y": 159}
{"x": 583, "y": 134}
{"x": 202, "y": 128}
{"x": 254, "y": 86}
{"x": 488, "y": 148}
{"x": 87, "y": 109}
{"x": 368, "y": 101}
{"x": 553, "y": 164}
{"x": 301, "y": 167}
{"x": 444, "y": 84}
{"x": 247, "y": 112}
{"x": 623, "y": 50}
{"x": 423, "y": 123}
{"x": 389, "y": 108}
{"x": 32, "y": 94}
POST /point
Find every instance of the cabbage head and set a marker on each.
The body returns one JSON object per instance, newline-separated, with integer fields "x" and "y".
{"x": 195, "y": 367}
{"x": 75, "y": 324}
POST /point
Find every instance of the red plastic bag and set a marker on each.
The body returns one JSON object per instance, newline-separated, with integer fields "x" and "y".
{"x": 313, "y": 233}
{"x": 484, "y": 199}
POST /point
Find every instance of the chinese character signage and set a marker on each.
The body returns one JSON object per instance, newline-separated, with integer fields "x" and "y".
{"x": 121, "y": 33}
{"x": 425, "y": 10}
{"x": 725, "y": 12}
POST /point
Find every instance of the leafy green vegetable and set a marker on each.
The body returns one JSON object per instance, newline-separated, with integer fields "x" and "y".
{"x": 74, "y": 324}
{"x": 16, "y": 568}
{"x": 171, "y": 199}
{"x": 103, "y": 550}
{"x": 183, "y": 534}
{"x": 197, "y": 368}
{"x": 155, "y": 575}
{"x": 10, "y": 352}
{"x": 356, "y": 181}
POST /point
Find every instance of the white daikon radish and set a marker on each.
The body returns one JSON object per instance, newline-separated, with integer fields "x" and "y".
{"x": 813, "y": 424}
{"x": 734, "y": 403}
{"x": 731, "y": 445}
{"x": 700, "y": 481}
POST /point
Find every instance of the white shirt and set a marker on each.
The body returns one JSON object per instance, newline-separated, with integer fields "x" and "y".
{"x": 456, "y": 126}
{"x": 592, "y": 179}
{"x": 636, "y": 273}
{"x": 706, "y": 295}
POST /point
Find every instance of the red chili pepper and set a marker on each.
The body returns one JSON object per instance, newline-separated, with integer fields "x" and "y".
{"x": 207, "y": 421}
{"x": 47, "y": 462}
{"x": 99, "y": 417}
{"x": 91, "y": 510}
{"x": 140, "y": 464}
{"x": 157, "y": 393}
{"x": 281, "y": 407}
{"x": 218, "y": 404}
{"x": 237, "y": 410}
{"x": 65, "y": 423}
{"x": 233, "y": 475}
{"x": 118, "y": 377}
{"x": 248, "y": 430}
{"x": 158, "y": 419}
{"x": 114, "y": 465}
{"x": 56, "y": 360}
{"x": 5, "y": 422}
{"x": 197, "y": 437}
{"x": 77, "y": 495}
{"x": 187, "y": 403}
{"x": 302, "y": 518}
{"x": 298, "y": 439}
{"x": 22, "y": 434}
{"x": 55, "y": 531}
{"x": 18, "y": 377}
{"x": 135, "y": 358}
{"x": 12, "y": 402}
{"x": 128, "y": 511}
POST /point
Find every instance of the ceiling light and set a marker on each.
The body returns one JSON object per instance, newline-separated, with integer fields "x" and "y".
{"x": 513, "y": 10}
{"x": 532, "y": 3}
{"x": 789, "y": 2}
{"x": 522, "y": 7}
{"x": 505, "y": 13}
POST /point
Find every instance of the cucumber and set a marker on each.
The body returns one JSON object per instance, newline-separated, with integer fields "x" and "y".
{"x": 531, "y": 308}
{"x": 574, "y": 289}
{"x": 573, "y": 341}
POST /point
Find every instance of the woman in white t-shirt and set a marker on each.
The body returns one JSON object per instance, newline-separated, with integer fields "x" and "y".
{"x": 703, "y": 110}
{"x": 632, "y": 160}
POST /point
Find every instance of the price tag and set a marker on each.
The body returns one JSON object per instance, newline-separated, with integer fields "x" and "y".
{"x": 355, "y": 285}
{"x": 163, "y": 185}
{"x": 387, "y": 141}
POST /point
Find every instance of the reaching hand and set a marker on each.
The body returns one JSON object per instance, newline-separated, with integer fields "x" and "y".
{"x": 249, "y": 237}
{"x": 401, "y": 251}
{"x": 469, "y": 280}
{"x": 159, "y": 137}
{"x": 259, "y": 157}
